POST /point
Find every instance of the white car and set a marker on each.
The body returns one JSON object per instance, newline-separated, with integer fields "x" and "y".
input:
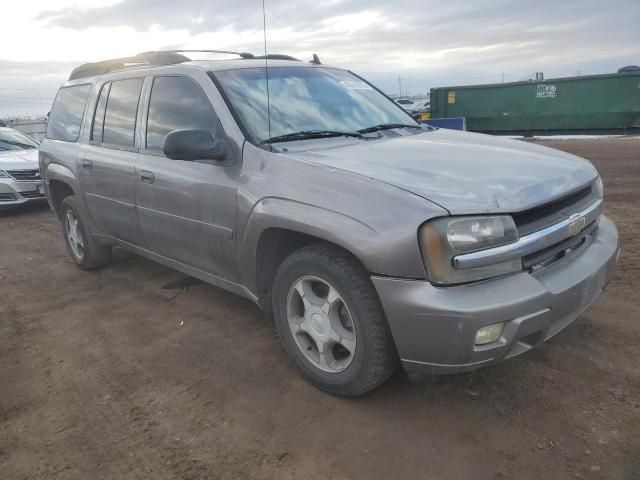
{"x": 407, "y": 104}
{"x": 20, "y": 180}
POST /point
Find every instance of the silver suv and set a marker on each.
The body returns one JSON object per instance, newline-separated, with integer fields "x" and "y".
{"x": 375, "y": 241}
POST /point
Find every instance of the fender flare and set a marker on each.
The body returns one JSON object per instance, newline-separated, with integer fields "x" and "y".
{"x": 60, "y": 173}
{"x": 275, "y": 212}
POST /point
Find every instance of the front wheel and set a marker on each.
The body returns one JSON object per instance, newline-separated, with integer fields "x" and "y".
{"x": 331, "y": 322}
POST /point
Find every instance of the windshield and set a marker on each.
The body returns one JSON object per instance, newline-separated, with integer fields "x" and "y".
{"x": 306, "y": 99}
{"x": 14, "y": 140}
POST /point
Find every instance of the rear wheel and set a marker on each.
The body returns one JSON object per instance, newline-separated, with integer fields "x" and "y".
{"x": 83, "y": 248}
{"x": 331, "y": 322}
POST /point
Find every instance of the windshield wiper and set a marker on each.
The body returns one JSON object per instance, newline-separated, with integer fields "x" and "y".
{"x": 308, "y": 134}
{"x": 387, "y": 126}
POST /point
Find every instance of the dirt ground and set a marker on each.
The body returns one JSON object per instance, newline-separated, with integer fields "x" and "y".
{"x": 123, "y": 373}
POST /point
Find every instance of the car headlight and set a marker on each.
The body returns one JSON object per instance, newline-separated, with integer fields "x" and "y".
{"x": 598, "y": 187}
{"x": 3, "y": 174}
{"x": 443, "y": 238}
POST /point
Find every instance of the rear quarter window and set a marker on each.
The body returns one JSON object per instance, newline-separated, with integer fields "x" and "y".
{"x": 66, "y": 115}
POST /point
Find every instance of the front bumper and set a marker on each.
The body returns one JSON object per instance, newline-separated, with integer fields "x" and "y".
{"x": 13, "y": 193}
{"x": 434, "y": 328}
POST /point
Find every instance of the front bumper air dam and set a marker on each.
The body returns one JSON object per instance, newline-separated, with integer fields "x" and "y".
{"x": 13, "y": 193}
{"x": 434, "y": 328}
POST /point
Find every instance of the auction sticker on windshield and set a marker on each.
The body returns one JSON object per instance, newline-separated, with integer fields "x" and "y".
{"x": 355, "y": 85}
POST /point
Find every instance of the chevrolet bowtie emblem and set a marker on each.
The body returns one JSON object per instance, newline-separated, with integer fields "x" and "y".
{"x": 576, "y": 225}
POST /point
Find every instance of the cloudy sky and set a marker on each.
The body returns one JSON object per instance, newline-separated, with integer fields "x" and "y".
{"x": 427, "y": 43}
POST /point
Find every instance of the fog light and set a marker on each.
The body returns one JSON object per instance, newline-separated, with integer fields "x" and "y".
{"x": 489, "y": 334}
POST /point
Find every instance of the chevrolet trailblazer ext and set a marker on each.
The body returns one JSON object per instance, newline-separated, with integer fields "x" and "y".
{"x": 373, "y": 240}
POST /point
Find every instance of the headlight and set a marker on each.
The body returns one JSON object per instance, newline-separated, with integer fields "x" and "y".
{"x": 470, "y": 234}
{"x": 3, "y": 174}
{"x": 598, "y": 188}
{"x": 444, "y": 238}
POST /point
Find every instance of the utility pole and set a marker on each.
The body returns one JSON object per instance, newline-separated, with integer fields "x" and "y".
{"x": 503, "y": 77}
{"x": 399, "y": 86}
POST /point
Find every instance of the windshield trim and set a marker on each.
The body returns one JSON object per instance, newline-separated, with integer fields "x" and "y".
{"x": 268, "y": 146}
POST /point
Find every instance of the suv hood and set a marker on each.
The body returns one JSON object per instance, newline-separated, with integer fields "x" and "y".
{"x": 463, "y": 172}
{"x": 19, "y": 159}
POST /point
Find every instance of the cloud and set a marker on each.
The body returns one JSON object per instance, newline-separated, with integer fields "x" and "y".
{"x": 403, "y": 33}
{"x": 427, "y": 42}
{"x": 28, "y": 88}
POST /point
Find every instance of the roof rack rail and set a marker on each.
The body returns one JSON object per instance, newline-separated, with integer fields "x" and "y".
{"x": 145, "y": 58}
{"x": 276, "y": 56}
{"x": 160, "y": 57}
{"x": 241, "y": 54}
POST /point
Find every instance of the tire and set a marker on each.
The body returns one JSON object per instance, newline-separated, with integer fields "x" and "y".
{"x": 364, "y": 356}
{"x": 90, "y": 254}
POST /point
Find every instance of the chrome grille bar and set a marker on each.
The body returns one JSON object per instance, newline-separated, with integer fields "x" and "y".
{"x": 527, "y": 244}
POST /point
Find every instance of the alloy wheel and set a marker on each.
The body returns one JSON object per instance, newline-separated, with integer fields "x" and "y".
{"x": 321, "y": 324}
{"x": 74, "y": 234}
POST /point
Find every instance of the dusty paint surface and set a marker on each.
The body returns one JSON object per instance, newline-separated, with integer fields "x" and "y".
{"x": 130, "y": 372}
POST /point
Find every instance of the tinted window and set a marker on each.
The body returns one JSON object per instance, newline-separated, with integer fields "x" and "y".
{"x": 98, "y": 118}
{"x": 177, "y": 103}
{"x": 66, "y": 114}
{"x": 120, "y": 117}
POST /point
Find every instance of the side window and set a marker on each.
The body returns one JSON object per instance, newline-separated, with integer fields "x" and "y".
{"x": 177, "y": 103}
{"x": 120, "y": 115}
{"x": 98, "y": 118}
{"x": 66, "y": 113}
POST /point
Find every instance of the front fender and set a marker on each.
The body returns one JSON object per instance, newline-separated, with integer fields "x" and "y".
{"x": 359, "y": 238}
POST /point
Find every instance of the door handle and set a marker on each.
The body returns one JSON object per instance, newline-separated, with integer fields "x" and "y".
{"x": 87, "y": 164}
{"x": 146, "y": 176}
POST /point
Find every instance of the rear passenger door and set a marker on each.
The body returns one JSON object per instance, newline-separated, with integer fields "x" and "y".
{"x": 186, "y": 209}
{"x": 106, "y": 164}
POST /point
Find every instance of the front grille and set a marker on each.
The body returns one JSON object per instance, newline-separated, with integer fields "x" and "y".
{"x": 25, "y": 175}
{"x": 549, "y": 255}
{"x": 553, "y": 212}
{"x": 34, "y": 194}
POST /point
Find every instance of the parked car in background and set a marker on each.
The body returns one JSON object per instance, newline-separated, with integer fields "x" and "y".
{"x": 374, "y": 241}
{"x": 407, "y": 104}
{"x": 422, "y": 111}
{"x": 20, "y": 180}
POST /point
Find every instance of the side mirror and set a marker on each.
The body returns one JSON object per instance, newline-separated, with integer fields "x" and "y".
{"x": 191, "y": 145}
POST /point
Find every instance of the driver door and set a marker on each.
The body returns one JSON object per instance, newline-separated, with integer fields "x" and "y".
{"x": 186, "y": 209}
